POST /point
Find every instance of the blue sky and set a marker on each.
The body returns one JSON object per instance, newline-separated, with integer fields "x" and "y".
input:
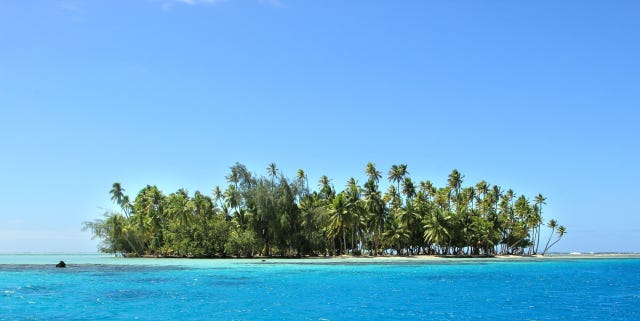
{"x": 540, "y": 97}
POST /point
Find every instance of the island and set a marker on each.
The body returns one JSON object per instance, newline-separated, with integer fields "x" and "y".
{"x": 274, "y": 216}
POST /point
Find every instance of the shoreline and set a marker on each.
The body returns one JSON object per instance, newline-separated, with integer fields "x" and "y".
{"x": 108, "y": 259}
{"x": 556, "y": 256}
{"x": 419, "y": 257}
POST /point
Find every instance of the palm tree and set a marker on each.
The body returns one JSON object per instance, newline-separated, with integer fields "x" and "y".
{"x": 397, "y": 173}
{"x": 428, "y": 189}
{"x": 338, "y": 219}
{"x": 179, "y": 210}
{"x": 482, "y": 188}
{"x": 149, "y": 218}
{"x": 561, "y": 232}
{"x": 510, "y": 196}
{"x": 408, "y": 189}
{"x": 375, "y": 207}
{"x": 218, "y": 196}
{"x": 354, "y": 208}
{"x": 326, "y": 191}
{"x": 436, "y": 228}
{"x": 118, "y": 197}
{"x": 396, "y": 234}
{"x": 372, "y": 172}
{"x": 497, "y": 194}
{"x": 234, "y": 176}
{"x": 454, "y": 181}
{"x": 468, "y": 196}
{"x": 539, "y": 199}
{"x": 232, "y": 199}
{"x": 303, "y": 181}
{"x": 552, "y": 225}
{"x": 273, "y": 172}
{"x": 117, "y": 193}
{"x": 534, "y": 221}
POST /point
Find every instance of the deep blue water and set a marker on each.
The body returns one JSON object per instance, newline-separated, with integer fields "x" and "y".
{"x": 583, "y": 289}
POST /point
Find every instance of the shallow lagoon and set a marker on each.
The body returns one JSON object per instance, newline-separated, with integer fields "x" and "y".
{"x": 103, "y": 287}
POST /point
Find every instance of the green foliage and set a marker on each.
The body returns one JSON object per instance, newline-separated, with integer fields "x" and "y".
{"x": 242, "y": 243}
{"x": 272, "y": 215}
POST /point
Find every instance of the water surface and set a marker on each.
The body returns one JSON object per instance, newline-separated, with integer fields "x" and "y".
{"x": 105, "y": 288}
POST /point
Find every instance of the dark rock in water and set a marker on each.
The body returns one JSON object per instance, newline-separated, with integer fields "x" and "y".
{"x": 61, "y": 264}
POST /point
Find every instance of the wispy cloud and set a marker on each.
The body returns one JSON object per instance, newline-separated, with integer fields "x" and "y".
{"x": 67, "y": 6}
{"x": 197, "y": 2}
{"x": 167, "y": 5}
{"x": 272, "y": 3}
{"x": 72, "y": 10}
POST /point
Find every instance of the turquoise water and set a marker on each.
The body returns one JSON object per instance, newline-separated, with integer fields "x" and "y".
{"x": 105, "y": 288}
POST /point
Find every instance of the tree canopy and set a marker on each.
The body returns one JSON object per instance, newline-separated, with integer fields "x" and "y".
{"x": 273, "y": 215}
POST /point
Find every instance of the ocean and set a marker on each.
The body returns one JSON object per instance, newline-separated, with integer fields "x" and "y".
{"x": 100, "y": 287}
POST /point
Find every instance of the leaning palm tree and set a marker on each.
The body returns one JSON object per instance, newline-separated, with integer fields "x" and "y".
{"x": 561, "y": 232}
{"x": 117, "y": 193}
{"x": 552, "y": 225}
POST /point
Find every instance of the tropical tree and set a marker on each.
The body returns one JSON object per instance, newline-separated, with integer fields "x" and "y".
{"x": 396, "y": 235}
{"x": 122, "y": 200}
{"x": 454, "y": 182}
{"x": 436, "y": 229}
{"x": 539, "y": 200}
{"x": 272, "y": 171}
{"x": 561, "y": 231}
{"x": 372, "y": 172}
{"x": 303, "y": 182}
{"x": 338, "y": 219}
{"x": 397, "y": 173}
{"x": 374, "y": 207}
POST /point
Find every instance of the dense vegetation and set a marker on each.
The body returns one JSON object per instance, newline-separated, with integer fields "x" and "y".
{"x": 272, "y": 215}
